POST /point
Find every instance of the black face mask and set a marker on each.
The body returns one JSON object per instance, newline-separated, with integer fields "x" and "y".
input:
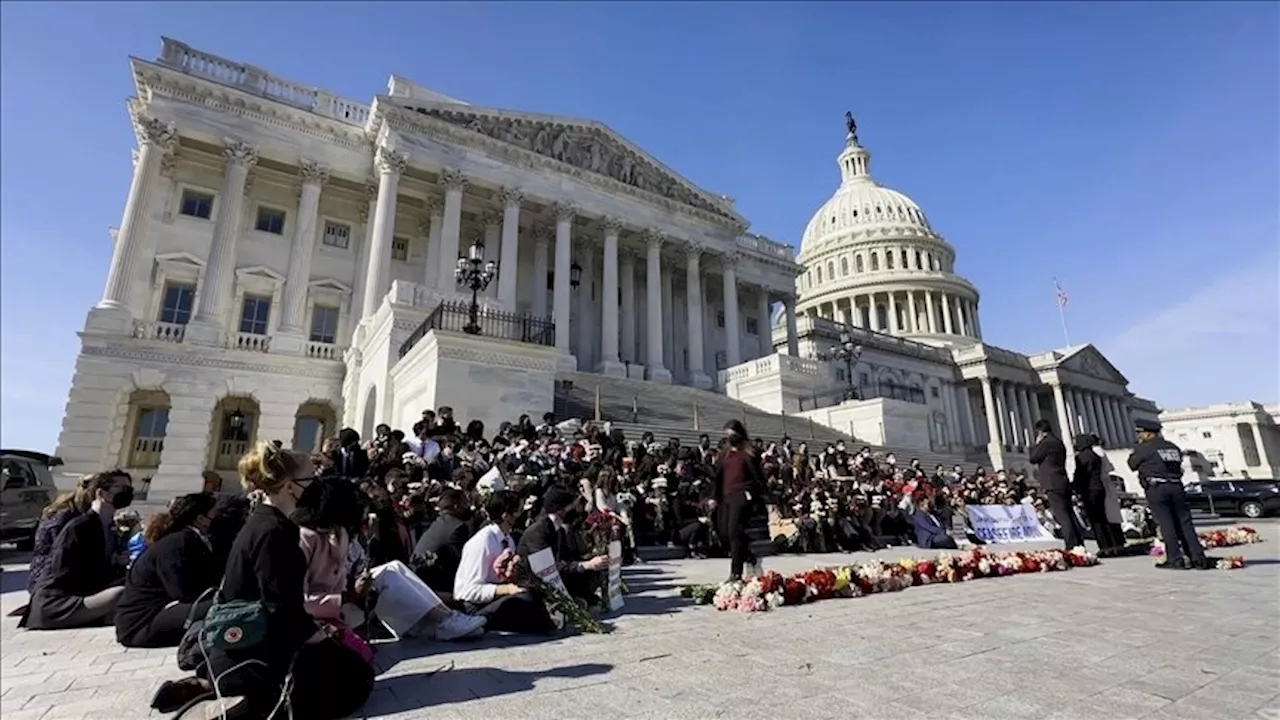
{"x": 122, "y": 499}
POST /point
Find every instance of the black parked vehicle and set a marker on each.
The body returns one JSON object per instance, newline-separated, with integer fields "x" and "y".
{"x": 1250, "y": 498}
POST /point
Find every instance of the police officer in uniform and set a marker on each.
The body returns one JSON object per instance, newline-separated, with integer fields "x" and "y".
{"x": 1158, "y": 463}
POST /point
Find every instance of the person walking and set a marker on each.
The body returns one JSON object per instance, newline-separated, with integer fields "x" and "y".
{"x": 739, "y": 496}
{"x": 1089, "y": 483}
{"x": 1158, "y": 463}
{"x": 1049, "y": 456}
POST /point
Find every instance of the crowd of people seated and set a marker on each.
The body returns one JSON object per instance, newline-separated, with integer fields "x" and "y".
{"x": 404, "y": 536}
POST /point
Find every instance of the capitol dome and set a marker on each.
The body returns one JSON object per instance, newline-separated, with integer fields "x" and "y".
{"x": 872, "y": 260}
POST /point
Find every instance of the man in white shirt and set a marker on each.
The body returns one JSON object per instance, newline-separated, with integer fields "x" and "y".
{"x": 508, "y": 607}
{"x": 424, "y": 446}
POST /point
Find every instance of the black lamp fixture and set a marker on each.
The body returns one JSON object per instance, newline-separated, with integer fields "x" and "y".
{"x": 475, "y": 274}
{"x": 848, "y": 352}
{"x": 575, "y": 275}
{"x": 236, "y": 419}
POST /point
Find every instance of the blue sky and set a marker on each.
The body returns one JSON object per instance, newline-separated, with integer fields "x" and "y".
{"x": 1131, "y": 150}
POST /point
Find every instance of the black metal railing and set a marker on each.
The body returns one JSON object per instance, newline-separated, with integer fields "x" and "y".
{"x": 458, "y": 317}
{"x": 893, "y": 391}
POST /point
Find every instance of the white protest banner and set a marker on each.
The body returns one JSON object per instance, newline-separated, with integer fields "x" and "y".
{"x": 543, "y": 564}
{"x": 615, "y": 575}
{"x": 1006, "y": 523}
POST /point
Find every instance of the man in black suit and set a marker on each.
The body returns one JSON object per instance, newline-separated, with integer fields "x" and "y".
{"x": 84, "y": 581}
{"x": 548, "y": 530}
{"x": 349, "y": 460}
{"x": 1049, "y": 456}
{"x": 444, "y": 539}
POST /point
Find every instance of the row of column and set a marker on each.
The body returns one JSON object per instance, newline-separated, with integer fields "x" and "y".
{"x": 912, "y": 312}
{"x": 1085, "y": 411}
{"x": 1011, "y": 412}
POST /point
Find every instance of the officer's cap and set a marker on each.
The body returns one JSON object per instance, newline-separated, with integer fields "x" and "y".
{"x": 1146, "y": 425}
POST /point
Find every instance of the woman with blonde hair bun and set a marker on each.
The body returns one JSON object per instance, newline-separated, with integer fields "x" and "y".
{"x": 266, "y": 565}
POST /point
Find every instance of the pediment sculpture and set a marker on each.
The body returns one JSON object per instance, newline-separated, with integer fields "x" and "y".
{"x": 586, "y": 148}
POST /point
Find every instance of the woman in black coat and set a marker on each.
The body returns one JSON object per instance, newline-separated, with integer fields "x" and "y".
{"x": 266, "y": 565}
{"x": 166, "y": 581}
{"x": 739, "y": 497}
{"x": 1088, "y": 482}
{"x": 83, "y": 581}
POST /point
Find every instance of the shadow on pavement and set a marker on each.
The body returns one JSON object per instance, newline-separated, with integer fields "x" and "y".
{"x": 406, "y": 693}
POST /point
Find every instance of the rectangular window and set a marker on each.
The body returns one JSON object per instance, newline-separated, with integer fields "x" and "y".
{"x": 196, "y": 204}
{"x": 153, "y": 422}
{"x": 324, "y": 324}
{"x": 336, "y": 235}
{"x": 1207, "y": 434}
{"x": 400, "y": 249}
{"x": 306, "y": 434}
{"x": 933, "y": 391}
{"x": 863, "y": 379}
{"x": 270, "y": 220}
{"x": 254, "y": 315}
{"x": 753, "y": 326}
{"x": 178, "y": 299}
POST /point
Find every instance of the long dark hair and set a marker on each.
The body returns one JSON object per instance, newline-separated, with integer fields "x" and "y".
{"x": 182, "y": 512}
{"x": 330, "y": 503}
{"x": 736, "y": 434}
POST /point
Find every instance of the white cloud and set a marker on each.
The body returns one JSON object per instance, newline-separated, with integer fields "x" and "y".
{"x": 1220, "y": 343}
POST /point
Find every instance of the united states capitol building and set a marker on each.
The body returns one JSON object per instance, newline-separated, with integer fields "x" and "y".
{"x": 285, "y": 266}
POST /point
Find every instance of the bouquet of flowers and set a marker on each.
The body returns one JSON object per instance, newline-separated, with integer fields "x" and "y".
{"x": 508, "y": 568}
{"x": 1233, "y": 562}
{"x": 1226, "y": 537}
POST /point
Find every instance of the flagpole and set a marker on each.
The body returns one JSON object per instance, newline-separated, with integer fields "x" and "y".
{"x": 1061, "y": 297}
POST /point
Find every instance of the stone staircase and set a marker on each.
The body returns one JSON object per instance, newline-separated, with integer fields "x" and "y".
{"x": 635, "y": 406}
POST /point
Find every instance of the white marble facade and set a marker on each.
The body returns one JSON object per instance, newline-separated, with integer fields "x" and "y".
{"x": 268, "y": 223}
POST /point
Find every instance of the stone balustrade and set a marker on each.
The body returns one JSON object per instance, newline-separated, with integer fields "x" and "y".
{"x": 764, "y": 245}
{"x": 325, "y": 351}
{"x": 251, "y": 342}
{"x": 157, "y": 330}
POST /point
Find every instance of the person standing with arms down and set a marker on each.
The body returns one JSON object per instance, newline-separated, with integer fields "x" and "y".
{"x": 739, "y": 496}
{"x": 1049, "y": 456}
{"x": 1158, "y": 463}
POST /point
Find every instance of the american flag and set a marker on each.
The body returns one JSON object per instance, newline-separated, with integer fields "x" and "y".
{"x": 1062, "y": 294}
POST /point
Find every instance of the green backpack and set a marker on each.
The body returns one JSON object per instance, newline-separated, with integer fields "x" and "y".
{"x": 234, "y": 625}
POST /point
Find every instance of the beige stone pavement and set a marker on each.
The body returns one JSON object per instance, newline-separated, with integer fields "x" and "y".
{"x": 1122, "y": 640}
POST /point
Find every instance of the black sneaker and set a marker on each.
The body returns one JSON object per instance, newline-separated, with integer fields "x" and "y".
{"x": 1167, "y": 565}
{"x": 1208, "y": 563}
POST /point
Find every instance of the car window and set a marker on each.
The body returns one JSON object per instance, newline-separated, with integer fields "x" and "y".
{"x": 19, "y": 475}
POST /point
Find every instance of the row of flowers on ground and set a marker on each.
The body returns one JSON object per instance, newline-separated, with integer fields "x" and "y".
{"x": 772, "y": 589}
{"x": 1226, "y": 537}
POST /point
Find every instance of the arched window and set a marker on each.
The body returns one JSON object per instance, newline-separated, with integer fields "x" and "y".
{"x": 855, "y": 213}
{"x": 919, "y": 264}
{"x": 831, "y": 270}
{"x": 857, "y": 263}
{"x": 819, "y": 274}
{"x": 875, "y": 261}
{"x": 808, "y": 279}
{"x": 888, "y": 259}
{"x": 844, "y": 266}
{"x": 905, "y": 264}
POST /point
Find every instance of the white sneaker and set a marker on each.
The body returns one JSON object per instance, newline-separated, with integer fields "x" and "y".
{"x": 460, "y": 625}
{"x": 754, "y": 570}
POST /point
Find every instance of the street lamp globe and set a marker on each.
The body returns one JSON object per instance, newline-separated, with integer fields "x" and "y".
{"x": 575, "y": 274}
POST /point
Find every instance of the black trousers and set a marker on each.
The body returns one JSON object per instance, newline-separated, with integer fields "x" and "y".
{"x": 167, "y": 628}
{"x": 1168, "y": 503}
{"x": 1059, "y": 502}
{"x": 734, "y": 515}
{"x": 329, "y": 682}
{"x": 1095, "y": 509}
{"x": 520, "y": 613}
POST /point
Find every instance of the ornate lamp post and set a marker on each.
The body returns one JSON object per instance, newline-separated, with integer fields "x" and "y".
{"x": 575, "y": 275}
{"x": 476, "y": 274}
{"x": 848, "y": 352}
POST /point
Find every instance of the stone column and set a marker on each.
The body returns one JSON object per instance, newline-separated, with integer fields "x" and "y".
{"x": 541, "y": 240}
{"x": 1127, "y": 412}
{"x": 764, "y": 328}
{"x": 491, "y": 221}
{"x": 560, "y": 295}
{"x": 991, "y": 411}
{"x": 585, "y": 327}
{"x": 1101, "y": 429}
{"x": 301, "y": 250}
{"x": 693, "y": 310}
{"x": 653, "y": 299}
{"x": 913, "y": 326}
{"x": 930, "y": 313}
{"x": 434, "y": 227}
{"x": 1008, "y": 428}
{"x": 874, "y": 314}
{"x": 155, "y": 138}
{"x": 609, "y": 364}
{"x": 455, "y": 184}
{"x": 977, "y": 324}
{"x": 793, "y": 334}
{"x": 1027, "y": 402}
{"x": 377, "y": 282}
{"x": 966, "y": 412}
{"x": 208, "y": 325}
{"x": 186, "y": 444}
{"x": 1083, "y": 424}
{"x": 367, "y": 211}
{"x": 627, "y": 281}
{"x": 669, "y": 353}
{"x": 1117, "y": 417}
{"x": 946, "y": 315}
{"x": 895, "y": 326}
{"x": 732, "y": 324}
{"x": 509, "y": 262}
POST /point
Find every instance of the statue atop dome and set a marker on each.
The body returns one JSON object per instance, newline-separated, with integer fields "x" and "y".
{"x": 851, "y": 125}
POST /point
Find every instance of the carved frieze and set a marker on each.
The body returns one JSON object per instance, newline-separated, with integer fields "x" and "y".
{"x": 586, "y": 148}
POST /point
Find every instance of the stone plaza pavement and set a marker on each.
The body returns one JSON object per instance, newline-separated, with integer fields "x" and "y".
{"x": 1122, "y": 640}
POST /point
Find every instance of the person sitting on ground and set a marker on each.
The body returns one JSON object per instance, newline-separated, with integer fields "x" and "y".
{"x": 931, "y": 534}
{"x": 266, "y": 566}
{"x": 444, "y": 541}
{"x": 326, "y": 513}
{"x": 550, "y": 530}
{"x": 85, "y": 576}
{"x": 508, "y": 607}
{"x": 164, "y": 586}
